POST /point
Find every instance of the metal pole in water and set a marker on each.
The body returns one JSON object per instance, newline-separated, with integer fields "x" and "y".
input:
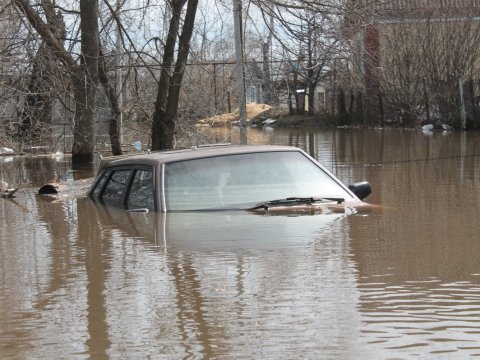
{"x": 463, "y": 115}
{"x": 119, "y": 84}
{"x": 237, "y": 17}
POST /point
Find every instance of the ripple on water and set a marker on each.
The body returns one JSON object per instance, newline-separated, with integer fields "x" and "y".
{"x": 422, "y": 316}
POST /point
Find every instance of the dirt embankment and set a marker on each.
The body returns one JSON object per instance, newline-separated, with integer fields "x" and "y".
{"x": 254, "y": 112}
{"x": 262, "y": 114}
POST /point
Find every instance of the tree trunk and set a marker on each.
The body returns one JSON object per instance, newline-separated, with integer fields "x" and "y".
{"x": 311, "y": 94}
{"x": 113, "y": 124}
{"x": 85, "y": 80}
{"x": 359, "y": 110}
{"x": 84, "y": 77}
{"x": 290, "y": 104}
{"x": 350, "y": 107}
{"x": 342, "y": 108}
{"x": 298, "y": 107}
{"x": 36, "y": 118}
{"x": 163, "y": 129}
{"x": 176, "y": 81}
{"x": 267, "y": 77}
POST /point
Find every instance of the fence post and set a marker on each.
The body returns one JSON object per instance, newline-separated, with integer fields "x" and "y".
{"x": 382, "y": 113}
{"x": 473, "y": 104}
{"x": 427, "y": 102}
{"x": 350, "y": 107}
{"x": 462, "y": 105}
{"x": 360, "y": 107}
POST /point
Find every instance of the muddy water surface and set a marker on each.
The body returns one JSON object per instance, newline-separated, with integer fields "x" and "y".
{"x": 81, "y": 281}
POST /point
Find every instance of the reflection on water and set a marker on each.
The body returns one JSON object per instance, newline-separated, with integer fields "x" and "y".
{"x": 85, "y": 281}
{"x": 31, "y": 171}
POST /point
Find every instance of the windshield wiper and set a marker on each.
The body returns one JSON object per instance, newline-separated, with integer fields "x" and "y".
{"x": 296, "y": 201}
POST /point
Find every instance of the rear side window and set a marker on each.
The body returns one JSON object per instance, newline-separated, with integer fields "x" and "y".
{"x": 116, "y": 187}
{"x": 141, "y": 191}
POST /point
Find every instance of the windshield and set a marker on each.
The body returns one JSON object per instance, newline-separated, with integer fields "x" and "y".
{"x": 237, "y": 181}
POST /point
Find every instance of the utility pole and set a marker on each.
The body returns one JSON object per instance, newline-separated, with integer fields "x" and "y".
{"x": 267, "y": 77}
{"x": 215, "y": 86}
{"x": 119, "y": 77}
{"x": 463, "y": 114}
{"x": 237, "y": 22}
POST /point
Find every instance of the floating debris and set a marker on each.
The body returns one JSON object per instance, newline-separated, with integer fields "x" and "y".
{"x": 48, "y": 189}
{"x": 65, "y": 190}
{"x": 5, "y": 192}
{"x": 57, "y": 155}
{"x": 6, "y": 151}
{"x": 9, "y": 193}
{"x": 269, "y": 121}
{"x": 428, "y": 127}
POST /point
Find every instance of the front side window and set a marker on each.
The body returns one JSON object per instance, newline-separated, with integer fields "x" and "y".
{"x": 240, "y": 181}
{"x": 141, "y": 191}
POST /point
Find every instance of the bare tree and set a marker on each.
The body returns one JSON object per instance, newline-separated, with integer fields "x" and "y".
{"x": 85, "y": 80}
{"x": 36, "y": 118}
{"x": 307, "y": 35}
{"x": 166, "y": 106}
{"x": 84, "y": 72}
{"x": 116, "y": 112}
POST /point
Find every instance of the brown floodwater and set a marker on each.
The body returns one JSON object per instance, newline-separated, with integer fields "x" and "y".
{"x": 78, "y": 280}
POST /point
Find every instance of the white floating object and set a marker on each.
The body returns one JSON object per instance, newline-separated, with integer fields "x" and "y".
{"x": 6, "y": 151}
{"x": 269, "y": 121}
{"x": 428, "y": 127}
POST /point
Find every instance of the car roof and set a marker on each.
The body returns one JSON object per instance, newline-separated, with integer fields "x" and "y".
{"x": 202, "y": 151}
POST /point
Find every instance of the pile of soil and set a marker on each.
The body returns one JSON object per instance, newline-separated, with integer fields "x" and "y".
{"x": 254, "y": 111}
{"x": 258, "y": 113}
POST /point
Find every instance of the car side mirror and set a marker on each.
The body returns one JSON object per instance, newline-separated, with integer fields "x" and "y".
{"x": 361, "y": 189}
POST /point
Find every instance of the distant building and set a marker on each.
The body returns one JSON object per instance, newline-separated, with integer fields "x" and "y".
{"x": 392, "y": 39}
{"x": 369, "y": 20}
{"x": 254, "y": 81}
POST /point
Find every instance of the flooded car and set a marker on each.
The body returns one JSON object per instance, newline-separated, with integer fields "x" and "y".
{"x": 223, "y": 178}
